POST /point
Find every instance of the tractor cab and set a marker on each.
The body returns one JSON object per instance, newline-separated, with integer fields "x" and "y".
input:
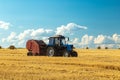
{"x": 58, "y": 47}
{"x": 58, "y": 40}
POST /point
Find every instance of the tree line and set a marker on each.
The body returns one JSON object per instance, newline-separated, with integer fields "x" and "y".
{"x": 13, "y": 47}
{"x": 10, "y": 47}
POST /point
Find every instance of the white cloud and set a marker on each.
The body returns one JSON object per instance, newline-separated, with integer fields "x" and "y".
{"x": 107, "y": 41}
{"x": 12, "y": 37}
{"x": 10, "y": 40}
{"x": 3, "y": 40}
{"x": 21, "y": 43}
{"x": 41, "y": 32}
{"x": 25, "y": 34}
{"x": 74, "y": 41}
{"x": 69, "y": 28}
{"x": 99, "y": 40}
{"x": 85, "y": 40}
{"x": 20, "y": 39}
{"x": 103, "y": 39}
{"x": 116, "y": 38}
{"x": 4, "y": 25}
{"x": 95, "y": 41}
{"x": 48, "y": 31}
{"x": 37, "y": 32}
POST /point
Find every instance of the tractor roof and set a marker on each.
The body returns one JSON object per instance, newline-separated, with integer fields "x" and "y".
{"x": 57, "y": 36}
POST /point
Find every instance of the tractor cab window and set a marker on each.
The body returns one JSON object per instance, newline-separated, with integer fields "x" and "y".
{"x": 63, "y": 41}
{"x": 57, "y": 41}
{"x": 51, "y": 41}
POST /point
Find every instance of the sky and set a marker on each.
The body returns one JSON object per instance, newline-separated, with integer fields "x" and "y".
{"x": 88, "y": 23}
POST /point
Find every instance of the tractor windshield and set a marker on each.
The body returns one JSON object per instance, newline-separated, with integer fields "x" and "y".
{"x": 58, "y": 40}
{"x": 63, "y": 42}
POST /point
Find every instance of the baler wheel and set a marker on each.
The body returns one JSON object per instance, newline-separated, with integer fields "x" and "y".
{"x": 29, "y": 53}
{"x": 50, "y": 51}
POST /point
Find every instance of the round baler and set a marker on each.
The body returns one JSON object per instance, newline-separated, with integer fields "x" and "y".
{"x": 36, "y": 47}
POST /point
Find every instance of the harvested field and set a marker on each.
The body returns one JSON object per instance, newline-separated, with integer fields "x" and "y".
{"x": 91, "y": 64}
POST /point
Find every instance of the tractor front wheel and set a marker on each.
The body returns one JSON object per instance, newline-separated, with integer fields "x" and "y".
{"x": 50, "y": 51}
{"x": 74, "y": 54}
{"x": 66, "y": 54}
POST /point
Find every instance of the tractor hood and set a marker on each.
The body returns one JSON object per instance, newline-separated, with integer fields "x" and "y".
{"x": 69, "y": 47}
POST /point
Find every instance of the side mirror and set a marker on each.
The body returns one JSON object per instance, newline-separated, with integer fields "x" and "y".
{"x": 68, "y": 38}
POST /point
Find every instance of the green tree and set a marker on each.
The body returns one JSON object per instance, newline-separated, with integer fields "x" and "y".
{"x": 12, "y": 47}
{"x": 106, "y": 47}
{"x": 87, "y": 47}
{"x": 98, "y": 47}
{"x": 0, "y": 47}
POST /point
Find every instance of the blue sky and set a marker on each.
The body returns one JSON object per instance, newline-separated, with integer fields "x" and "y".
{"x": 100, "y": 17}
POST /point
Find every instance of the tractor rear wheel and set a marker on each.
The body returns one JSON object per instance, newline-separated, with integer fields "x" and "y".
{"x": 66, "y": 54}
{"x": 29, "y": 53}
{"x": 50, "y": 51}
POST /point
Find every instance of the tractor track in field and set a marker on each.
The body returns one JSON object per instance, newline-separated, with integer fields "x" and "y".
{"x": 109, "y": 67}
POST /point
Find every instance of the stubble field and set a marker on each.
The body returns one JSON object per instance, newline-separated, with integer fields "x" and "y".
{"x": 91, "y": 64}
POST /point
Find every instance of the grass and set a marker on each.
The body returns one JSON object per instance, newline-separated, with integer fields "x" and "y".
{"x": 91, "y": 64}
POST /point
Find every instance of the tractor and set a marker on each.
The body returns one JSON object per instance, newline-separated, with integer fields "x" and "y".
{"x": 57, "y": 46}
